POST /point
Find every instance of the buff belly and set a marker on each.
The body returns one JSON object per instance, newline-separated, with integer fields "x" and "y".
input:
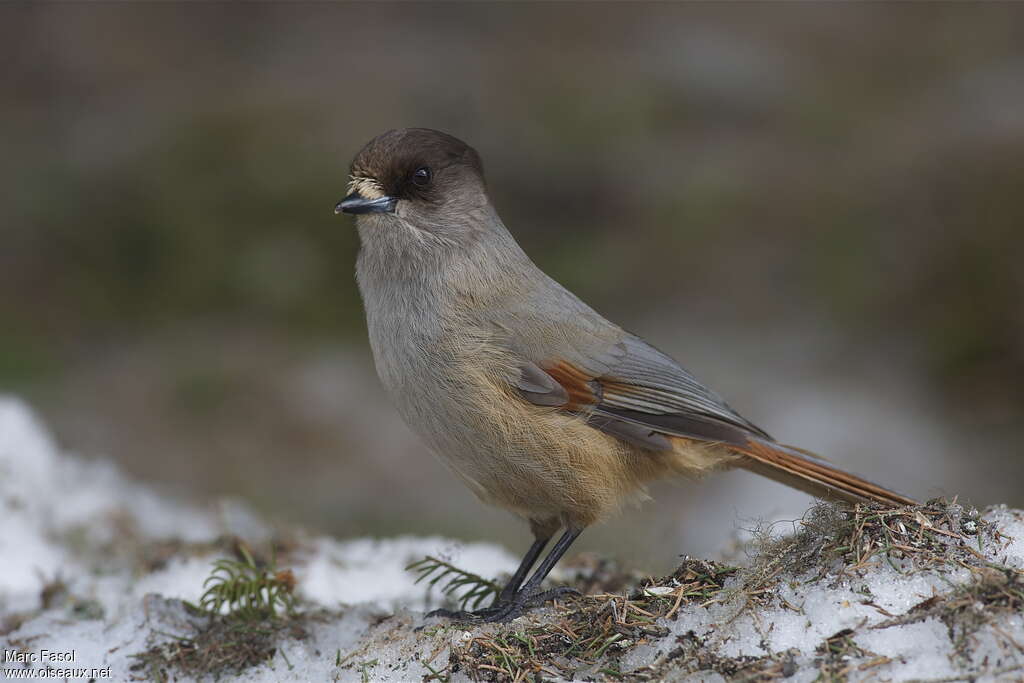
{"x": 543, "y": 463}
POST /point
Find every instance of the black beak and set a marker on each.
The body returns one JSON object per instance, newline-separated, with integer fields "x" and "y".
{"x": 354, "y": 203}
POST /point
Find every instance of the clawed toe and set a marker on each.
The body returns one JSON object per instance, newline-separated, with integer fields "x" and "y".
{"x": 553, "y": 594}
{"x": 447, "y": 614}
{"x": 462, "y": 615}
{"x": 523, "y": 602}
{"x": 506, "y": 610}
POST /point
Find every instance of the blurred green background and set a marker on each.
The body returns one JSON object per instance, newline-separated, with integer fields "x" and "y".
{"x": 817, "y": 208}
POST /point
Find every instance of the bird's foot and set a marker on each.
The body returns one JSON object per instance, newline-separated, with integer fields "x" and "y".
{"x": 508, "y": 609}
{"x": 525, "y": 601}
{"x": 480, "y": 615}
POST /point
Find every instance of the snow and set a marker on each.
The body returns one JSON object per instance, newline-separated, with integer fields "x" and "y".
{"x": 60, "y": 512}
{"x": 1012, "y": 524}
{"x": 68, "y": 518}
{"x": 816, "y": 609}
{"x": 373, "y": 570}
{"x": 921, "y": 649}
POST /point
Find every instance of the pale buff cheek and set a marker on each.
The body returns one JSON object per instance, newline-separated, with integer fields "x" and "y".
{"x": 366, "y": 187}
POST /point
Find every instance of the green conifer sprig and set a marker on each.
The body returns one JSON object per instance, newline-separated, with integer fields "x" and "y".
{"x": 466, "y": 588}
{"x": 247, "y": 590}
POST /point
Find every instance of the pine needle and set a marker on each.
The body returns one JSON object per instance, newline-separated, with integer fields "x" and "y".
{"x": 465, "y": 588}
{"x": 248, "y": 591}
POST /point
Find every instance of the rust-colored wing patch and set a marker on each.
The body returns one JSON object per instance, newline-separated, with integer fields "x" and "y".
{"x": 579, "y": 385}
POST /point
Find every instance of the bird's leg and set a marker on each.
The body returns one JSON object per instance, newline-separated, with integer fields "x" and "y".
{"x": 507, "y": 593}
{"x": 512, "y": 587}
{"x": 530, "y": 595}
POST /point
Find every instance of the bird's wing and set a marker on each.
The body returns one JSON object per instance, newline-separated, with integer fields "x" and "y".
{"x": 631, "y": 390}
{"x": 574, "y": 358}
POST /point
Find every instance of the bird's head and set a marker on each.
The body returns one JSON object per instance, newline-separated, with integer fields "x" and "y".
{"x": 415, "y": 179}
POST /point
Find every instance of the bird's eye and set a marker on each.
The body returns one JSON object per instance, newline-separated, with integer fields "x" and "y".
{"x": 421, "y": 176}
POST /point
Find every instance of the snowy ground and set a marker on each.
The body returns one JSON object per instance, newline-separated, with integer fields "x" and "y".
{"x": 94, "y": 569}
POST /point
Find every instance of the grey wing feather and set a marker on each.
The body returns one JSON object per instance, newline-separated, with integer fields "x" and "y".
{"x": 643, "y": 394}
{"x": 539, "y": 388}
{"x": 635, "y": 433}
{"x": 660, "y": 393}
{"x": 647, "y": 388}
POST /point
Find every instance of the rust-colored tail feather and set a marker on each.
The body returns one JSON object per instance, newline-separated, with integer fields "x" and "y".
{"x": 805, "y": 471}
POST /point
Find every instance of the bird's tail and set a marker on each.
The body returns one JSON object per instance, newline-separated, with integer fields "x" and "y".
{"x": 809, "y": 473}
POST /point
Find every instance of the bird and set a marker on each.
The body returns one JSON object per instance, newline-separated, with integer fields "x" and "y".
{"x": 538, "y": 403}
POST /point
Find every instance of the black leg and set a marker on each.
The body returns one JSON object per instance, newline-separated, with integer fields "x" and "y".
{"x": 505, "y": 597}
{"x": 512, "y": 587}
{"x": 529, "y": 595}
{"x": 512, "y": 602}
{"x": 550, "y": 561}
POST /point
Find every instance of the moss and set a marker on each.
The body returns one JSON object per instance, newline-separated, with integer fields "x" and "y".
{"x": 224, "y": 645}
{"x": 590, "y": 633}
{"x": 935, "y": 535}
{"x": 247, "y": 610}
